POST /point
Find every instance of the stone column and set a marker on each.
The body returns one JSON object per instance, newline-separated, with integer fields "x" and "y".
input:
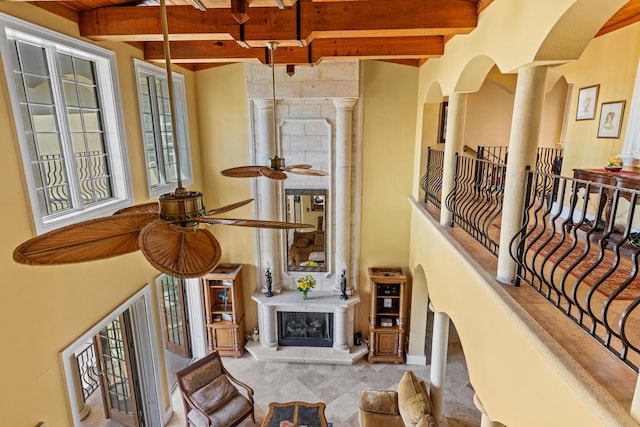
{"x": 456, "y": 116}
{"x": 439, "y": 348}
{"x": 485, "y": 420}
{"x": 83, "y": 410}
{"x": 267, "y": 319}
{"x": 523, "y": 145}
{"x": 340, "y": 329}
{"x": 267, "y": 192}
{"x": 344, "y": 133}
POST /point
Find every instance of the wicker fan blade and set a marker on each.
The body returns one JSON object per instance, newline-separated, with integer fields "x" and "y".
{"x": 301, "y": 166}
{"x": 86, "y": 241}
{"x": 309, "y": 172}
{"x": 254, "y": 223}
{"x": 151, "y": 207}
{"x": 272, "y": 173}
{"x": 228, "y": 208}
{"x": 185, "y": 255}
{"x": 242, "y": 172}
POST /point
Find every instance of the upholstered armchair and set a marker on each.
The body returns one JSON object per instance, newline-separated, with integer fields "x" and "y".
{"x": 212, "y": 396}
{"x": 410, "y": 406}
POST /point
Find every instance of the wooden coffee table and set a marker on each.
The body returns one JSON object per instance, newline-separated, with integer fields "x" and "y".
{"x": 298, "y": 413}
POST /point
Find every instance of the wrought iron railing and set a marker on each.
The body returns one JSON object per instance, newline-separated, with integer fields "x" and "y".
{"x": 493, "y": 153}
{"x": 88, "y": 369}
{"x": 431, "y": 182}
{"x": 579, "y": 248}
{"x": 476, "y": 199}
{"x": 92, "y": 171}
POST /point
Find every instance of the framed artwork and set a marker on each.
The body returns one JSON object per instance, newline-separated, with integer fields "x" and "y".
{"x": 587, "y": 101}
{"x": 444, "y": 109}
{"x": 610, "y": 119}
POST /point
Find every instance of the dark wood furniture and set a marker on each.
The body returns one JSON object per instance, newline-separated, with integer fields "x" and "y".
{"x": 388, "y": 321}
{"x": 212, "y": 396}
{"x": 297, "y": 413}
{"x": 224, "y": 309}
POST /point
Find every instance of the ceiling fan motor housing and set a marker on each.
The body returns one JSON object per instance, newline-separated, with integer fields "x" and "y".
{"x": 182, "y": 208}
{"x": 276, "y": 163}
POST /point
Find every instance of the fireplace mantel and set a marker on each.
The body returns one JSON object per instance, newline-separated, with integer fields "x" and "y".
{"x": 320, "y": 302}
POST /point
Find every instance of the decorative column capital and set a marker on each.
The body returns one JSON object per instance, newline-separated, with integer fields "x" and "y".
{"x": 264, "y": 103}
{"x": 344, "y": 103}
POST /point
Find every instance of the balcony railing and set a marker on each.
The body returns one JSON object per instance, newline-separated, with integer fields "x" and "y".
{"x": 431, "y": 182}
{"x": 88, "y": 370}
{"x": 476, "y": 199}
{"x": 579, "y": 248}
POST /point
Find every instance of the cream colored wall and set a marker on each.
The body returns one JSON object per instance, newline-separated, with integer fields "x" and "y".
{"x": 44, "y": 309}
{"x": 612, "y": 62}
{"x": 389, "y": 94}
{"x": 224, "y": 131}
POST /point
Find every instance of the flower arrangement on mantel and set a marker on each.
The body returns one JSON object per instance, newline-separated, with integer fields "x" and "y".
{"x": 305, "y": 284}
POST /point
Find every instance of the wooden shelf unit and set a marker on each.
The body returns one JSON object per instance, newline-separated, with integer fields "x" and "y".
{"x": 388, "y": 317}
{"x": 225, "y": 322}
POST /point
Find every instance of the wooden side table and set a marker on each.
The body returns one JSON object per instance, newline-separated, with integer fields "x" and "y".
{"x": 298, "y": 413}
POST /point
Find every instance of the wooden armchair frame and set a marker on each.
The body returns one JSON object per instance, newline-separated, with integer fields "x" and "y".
{"x": 189, "y": 404}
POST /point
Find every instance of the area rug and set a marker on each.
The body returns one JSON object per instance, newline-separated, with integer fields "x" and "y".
{"x": 578, "y": 263}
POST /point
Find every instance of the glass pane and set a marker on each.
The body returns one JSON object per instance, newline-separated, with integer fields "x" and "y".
{"x": 48, "y": 144}
{"x": 39, "y": 90}
{"x": 31, "y": 144}
{"x": 77, "y": 139}
{"x": 84, "y": 70}
{"x": 92, "y": 120}
{"x": 75, "y": 119}
{"x": 70, "y": 94}
{"x": 33, "y": 59}
{"x": 44, "y": 119}
{"x": 26, "y": 117}
{"x": 148, "y": 123}
{"x": 88, "y": 96}
{"x": 13, "y": 51}
{"x": 95, "y": 142}
{"x": 66, "y": 67}
{"x": 22, "y": 96}
{"x": 143, "y": 83}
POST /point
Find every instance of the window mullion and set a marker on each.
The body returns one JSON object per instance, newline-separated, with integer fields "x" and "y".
{"x": 64, "y": 127}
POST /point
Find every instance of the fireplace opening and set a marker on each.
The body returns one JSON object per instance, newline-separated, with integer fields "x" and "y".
{"x": 305, "y": 329}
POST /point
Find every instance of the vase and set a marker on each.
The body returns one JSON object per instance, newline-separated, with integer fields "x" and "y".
{"x": 304, "y": 295}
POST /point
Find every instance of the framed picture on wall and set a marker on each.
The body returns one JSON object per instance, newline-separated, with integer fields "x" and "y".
{"x": 444, "y": 109}
{"x": 587, "y": 101}
{"x": 610, "y": 119}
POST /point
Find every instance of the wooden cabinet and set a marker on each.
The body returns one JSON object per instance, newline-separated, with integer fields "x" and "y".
{"x": 224, "y": 309}
{"x": 388, "y": 322}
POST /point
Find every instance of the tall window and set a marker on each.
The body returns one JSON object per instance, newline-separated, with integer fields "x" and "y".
{"x": 66, "y": 105}
{"x": 157, "y": 134}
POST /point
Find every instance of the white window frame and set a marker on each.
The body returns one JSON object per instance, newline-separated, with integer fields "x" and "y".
{"x": 111, "y": 107}
{"x": 183, "y": 140}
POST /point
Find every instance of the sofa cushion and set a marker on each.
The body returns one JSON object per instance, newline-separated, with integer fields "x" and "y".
{"x": 413, "y": 400}
{"x": 380, "y": 401}
{"x": 214, "y": 395}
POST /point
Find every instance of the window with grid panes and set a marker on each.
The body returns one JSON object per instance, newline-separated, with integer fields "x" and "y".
{"x": 157, "y": 134}
{"x": 64, "y": 92}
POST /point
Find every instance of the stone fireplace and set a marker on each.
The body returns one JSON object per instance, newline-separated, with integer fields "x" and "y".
{"x": 306, "y": 329}
{"x": 312, "y": 314}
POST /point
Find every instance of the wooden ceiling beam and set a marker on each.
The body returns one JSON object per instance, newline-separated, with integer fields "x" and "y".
{"x": 366, "y": 48}
{"x": 318, "y": 20}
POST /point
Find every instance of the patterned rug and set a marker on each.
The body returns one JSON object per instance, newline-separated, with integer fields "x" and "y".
{"x": 590, "y": 265}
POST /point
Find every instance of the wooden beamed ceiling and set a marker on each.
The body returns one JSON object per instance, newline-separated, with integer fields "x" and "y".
{"x": 206, "y": 33}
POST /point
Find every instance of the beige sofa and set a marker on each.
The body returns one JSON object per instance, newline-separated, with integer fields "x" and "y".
{"x": 409, "y": 406}
{"x": 304, "y": 244}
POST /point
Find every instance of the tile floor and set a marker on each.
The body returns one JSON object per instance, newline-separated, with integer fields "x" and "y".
{"x": 336, "y": 385}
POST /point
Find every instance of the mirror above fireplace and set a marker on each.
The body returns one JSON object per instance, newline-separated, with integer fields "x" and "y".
{"x": 306, "y": 248}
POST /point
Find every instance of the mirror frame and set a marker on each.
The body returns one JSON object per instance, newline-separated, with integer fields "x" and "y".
{"x": 314, "y": 207}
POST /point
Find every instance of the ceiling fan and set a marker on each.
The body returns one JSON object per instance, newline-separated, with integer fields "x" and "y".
{"x": 277, "y": 167}
{"x": 167, "y": 232}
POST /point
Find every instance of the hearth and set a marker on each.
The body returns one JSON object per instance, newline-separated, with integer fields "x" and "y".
{"x": 306, "y": 329}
